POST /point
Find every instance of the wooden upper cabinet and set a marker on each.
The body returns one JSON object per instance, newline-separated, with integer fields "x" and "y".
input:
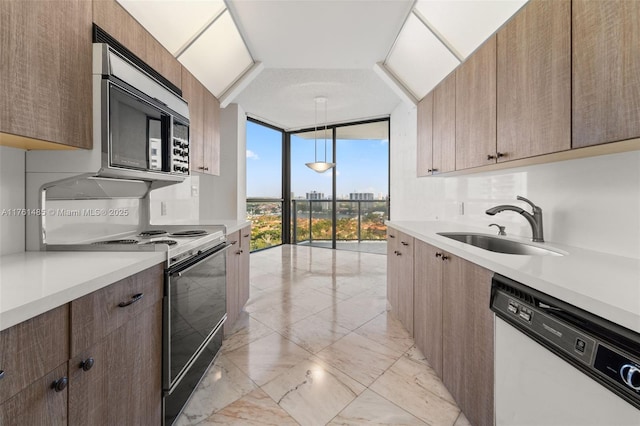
{"x": 476, "y": 108}
{"x": 606, "y": 71}
{"x": 534, "y": 81}
{"x": 425, "y": 136}
{"x": 116, "y": 21}
{"x": 204, "y": 127}
{"x": 444, "y": 125}
{"x": 211, "y": 134}
{"x": 193, "y": 93}
{"x": 45, "y": 72}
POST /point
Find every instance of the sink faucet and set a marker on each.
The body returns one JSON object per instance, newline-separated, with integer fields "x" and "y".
{"x": 535, "y": 219}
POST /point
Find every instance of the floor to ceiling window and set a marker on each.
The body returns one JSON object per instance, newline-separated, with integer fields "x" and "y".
{"x": 344, "y": 207}
{"x": 264, "y": 184}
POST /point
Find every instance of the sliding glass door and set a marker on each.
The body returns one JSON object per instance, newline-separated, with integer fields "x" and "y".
{"x": 346, "y": 206}
{"x": 312, "y": 219}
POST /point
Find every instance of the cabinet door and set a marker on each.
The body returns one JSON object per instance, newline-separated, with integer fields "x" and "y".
{"x": 33, "y": 348}
{"x": 476, "y": 108}
{"x": 444, "y": 125}
{"x": 233, "y": 281}
{"x": 38, "y": 404}
{"x": 45, "y": 72}
{"x": 400, "y": 277}
{"x": 404, "y": 311}
{"x": 606, "y": 71}
{"x": 534, "y": 81}
{"x": 425, "y": 135}
{"x": 124, "y": 385}
{"x": 244, "y": 267}
{"x": 427, "y": 312}
{"x": 211, "y": 134}
{"x": 467, "y": 330}
{"x": 193, "y": 93}
{"x": 393, "y": 241}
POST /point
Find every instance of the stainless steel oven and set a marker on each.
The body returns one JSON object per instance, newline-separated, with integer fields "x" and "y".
{"x": 194, "y": 312}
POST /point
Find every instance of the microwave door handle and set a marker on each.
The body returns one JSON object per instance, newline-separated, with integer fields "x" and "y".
{"x": 196, "y": 261}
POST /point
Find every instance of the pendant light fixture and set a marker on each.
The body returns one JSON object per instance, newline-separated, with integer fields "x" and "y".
{"x": 320, "y": 166}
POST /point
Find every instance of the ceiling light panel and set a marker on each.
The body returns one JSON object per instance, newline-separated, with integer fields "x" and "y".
{"x": 218, "y": 57}
{"x": 174, "y": 23}
{"x": 466, "y": 24}
{"x": 419, "y": 59}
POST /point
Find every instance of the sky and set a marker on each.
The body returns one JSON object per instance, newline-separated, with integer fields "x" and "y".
{"x": 362, "y": 165}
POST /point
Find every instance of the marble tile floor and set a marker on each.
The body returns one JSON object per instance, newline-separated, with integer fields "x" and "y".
{"x": 317, "y": 346}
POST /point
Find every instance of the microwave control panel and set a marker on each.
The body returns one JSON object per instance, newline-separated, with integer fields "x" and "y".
{"x": 179, "y": 149}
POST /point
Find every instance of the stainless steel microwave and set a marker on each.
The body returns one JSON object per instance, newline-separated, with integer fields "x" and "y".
{"x": 143, "y": 126}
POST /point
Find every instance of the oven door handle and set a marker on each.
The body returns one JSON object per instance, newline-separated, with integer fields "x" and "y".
{"x": 197, "y": 260}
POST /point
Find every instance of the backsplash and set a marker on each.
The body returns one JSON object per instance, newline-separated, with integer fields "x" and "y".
{"x": 592, "y": 203}
{"x": 12, "y": 184}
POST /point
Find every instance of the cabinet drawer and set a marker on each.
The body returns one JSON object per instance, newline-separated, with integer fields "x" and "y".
{"x": 96, "y": 315}
{"x": 31, "y": 349}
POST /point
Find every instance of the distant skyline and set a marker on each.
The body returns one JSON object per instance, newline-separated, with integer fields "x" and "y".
{"x": 362, "y": 165}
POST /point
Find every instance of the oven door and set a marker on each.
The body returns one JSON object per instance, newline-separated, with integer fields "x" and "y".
{"x": 194, "y": 311}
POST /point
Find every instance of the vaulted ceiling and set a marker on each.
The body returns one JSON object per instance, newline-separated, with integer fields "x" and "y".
{"x": 273, "y": 57}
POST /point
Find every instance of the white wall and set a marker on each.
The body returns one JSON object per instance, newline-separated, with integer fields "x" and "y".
{"x": 12, "y": 190}
{"x": 592, "y": 203}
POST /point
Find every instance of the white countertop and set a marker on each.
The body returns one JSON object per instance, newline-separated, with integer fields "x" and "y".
{"x": 600, "y": 283}
{"x": 35, "y": 282}
{"x": 233, "y": 225}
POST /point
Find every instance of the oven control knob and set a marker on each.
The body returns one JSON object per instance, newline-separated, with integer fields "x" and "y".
{"x": 630, "y": 375}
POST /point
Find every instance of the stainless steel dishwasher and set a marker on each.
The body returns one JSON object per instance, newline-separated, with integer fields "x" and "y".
{"x": 556, "y": 364}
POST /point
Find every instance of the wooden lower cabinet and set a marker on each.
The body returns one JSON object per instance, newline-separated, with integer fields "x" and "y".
{"x": 115, "y": 373}
{"x": 400, "y": 276}
{"x": 244, "y": 266}
{"x": 106, "y": 359}
{"x": 33, "y": 355}
{"x": 467, "y": 338}
{"x": 238, "y": 268}
{"x": 427, "y": 303}
{"x": 123, "y": 386}
{"x": 453, "y": 327}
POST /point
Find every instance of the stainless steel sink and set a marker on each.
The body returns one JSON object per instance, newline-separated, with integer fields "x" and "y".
{"x": 499, "y": 244}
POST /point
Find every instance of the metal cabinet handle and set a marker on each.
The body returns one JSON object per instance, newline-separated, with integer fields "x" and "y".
{"x": 391, "y": 236}
{"x": 501, "y": 154}
{"x": 397, "y": 253}
{"x": 438, "y": 254}
{"x": 60, "y": 384}
{"x": 491, "y": 157}
{"x": 245, "y": 235}
{"x": 1, "y": 374}
{"x": 445, "y": 257}
{"x": 404, "y": 244}
{"x": 87, "y": 364}
{"x": 240, "y": 252}
{"x": 134, "y": 299}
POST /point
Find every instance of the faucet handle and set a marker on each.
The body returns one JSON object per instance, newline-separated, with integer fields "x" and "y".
{"x": 528, "y": 202}
{"x": 500, "y": 229}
